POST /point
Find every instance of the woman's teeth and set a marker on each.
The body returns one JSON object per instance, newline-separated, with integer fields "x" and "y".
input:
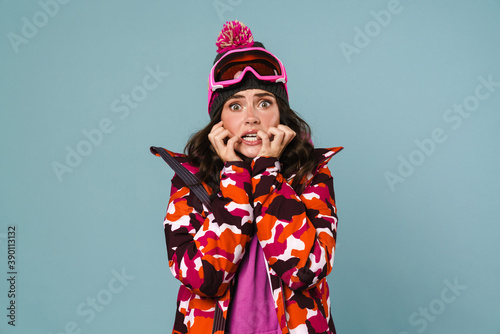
{"x": 250, "y": 137}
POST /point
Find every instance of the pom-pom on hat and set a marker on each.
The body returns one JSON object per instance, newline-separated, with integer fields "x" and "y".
{"x": 236, "y": 35}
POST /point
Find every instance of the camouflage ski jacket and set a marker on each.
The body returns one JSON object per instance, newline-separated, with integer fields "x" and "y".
{"x": 297, "y": 233}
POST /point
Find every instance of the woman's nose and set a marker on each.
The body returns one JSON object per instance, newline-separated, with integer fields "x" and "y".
{"x": 252, "y": 116}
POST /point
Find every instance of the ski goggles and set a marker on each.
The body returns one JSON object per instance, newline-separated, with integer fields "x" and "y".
{"x": 233, "y": 66}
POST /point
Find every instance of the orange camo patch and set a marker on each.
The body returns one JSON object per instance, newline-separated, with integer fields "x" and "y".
{"x": 324, "y": 301}
{"x": 220, "y": 263}
{"x": 238, "y": 195}
{"x": 281, "y": 311}
{"x": 208, "y": 189}
{"x": 231, "y": 241}
{"x": 298, "y": 315}
{"x": 308, "y": 238}
{"x": 181, "y": 210}
{"x": 201, "y": 325}
{"x": 317, "y": 204}
{"x": 202, "y": 304}
{"x": 295, "y": 225}
{"x": 287, "y": 292}
{"x": 196, "y": 244}
{"x": 280, "y": 178}
{"x": 179, "y": 193}
{"x": 264, "y": 227}
{"x": 326, "y": 240}
{"x": 239, "y": 170}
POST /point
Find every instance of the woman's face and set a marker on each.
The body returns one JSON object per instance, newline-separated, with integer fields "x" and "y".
{"x": 247, "y": 112}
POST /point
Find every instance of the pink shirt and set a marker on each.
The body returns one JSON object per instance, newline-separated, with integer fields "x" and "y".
{"x": 252, "y": 307}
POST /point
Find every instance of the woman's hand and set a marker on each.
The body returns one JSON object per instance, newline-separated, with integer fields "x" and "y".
{"x": 275, "y": 140}
{"x": 222, "y": 145}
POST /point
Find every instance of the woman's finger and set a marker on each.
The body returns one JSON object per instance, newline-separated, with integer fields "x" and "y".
{"x": 217, "y": 125}
{"x": 278, "y": 135}
{"x": 279, "y": 142}
{"x": 230, "y": 154}
{"x": 289, "y": 133}
{"x": 219, "y": 138}
{"x": 213, "y": 137}
{"x": 223, "y": 143}
{"x": 215, "y": 129}
{"x": 265, "y": 149}
{"x": 264, "y": 137}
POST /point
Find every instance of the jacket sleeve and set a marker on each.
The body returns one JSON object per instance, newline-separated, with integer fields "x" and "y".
{"x": 297, "y": 233}
{"x": 204, "y": 248}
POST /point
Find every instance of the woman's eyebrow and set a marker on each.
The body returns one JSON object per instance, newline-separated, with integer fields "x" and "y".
{"x": 264, "y": 94}
{"x": 239, "y": 96}
{"x": 236, "y": 96}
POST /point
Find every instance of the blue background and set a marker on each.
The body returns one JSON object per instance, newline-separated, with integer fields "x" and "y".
{"x": 401, "y": 243}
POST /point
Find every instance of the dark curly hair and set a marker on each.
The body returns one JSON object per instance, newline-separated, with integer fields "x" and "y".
{"x": 297, "y": 158}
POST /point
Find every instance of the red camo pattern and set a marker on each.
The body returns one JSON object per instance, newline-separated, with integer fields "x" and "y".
{"x": 297, "y": 233}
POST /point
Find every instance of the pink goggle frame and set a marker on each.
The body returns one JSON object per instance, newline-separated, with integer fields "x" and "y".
{"x": 233, "y": 66}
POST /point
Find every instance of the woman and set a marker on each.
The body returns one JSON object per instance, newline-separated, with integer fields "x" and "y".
{"x": 253, "y": 256}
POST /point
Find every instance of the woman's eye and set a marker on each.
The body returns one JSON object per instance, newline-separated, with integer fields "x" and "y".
{"x": 235, "y": 107}
{"x": 265, "y": 104}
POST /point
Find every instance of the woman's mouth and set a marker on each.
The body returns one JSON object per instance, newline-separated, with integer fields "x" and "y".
{"x": 251, "y": 139}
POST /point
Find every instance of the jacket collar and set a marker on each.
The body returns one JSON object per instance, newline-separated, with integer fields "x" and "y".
{"x": 323, "y": 155}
